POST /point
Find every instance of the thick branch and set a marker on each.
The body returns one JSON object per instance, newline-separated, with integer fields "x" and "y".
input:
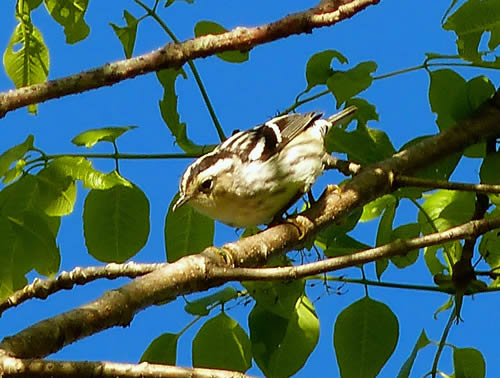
{"x": 192, "y": 273}
{"x": 174, "y": 55}
{"x": 19, "y": 368}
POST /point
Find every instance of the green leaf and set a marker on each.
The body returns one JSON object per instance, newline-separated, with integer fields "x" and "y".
{"x": 280, "y": 345}
{"x": 69, "y": 14}
{"x": 187, "y": 232}
{"x": 37, "y": 241}
{"x": 127, "y": 34}
{"x": 115, "y": 223}
{"x": 380, "y": 266}
{"x": 368, "y": 330}
{"x": 446, "y": 306}
{"x": 489, "y": 169}
{"x": 446, "y": 208}
{"x": 384, "y": 232}
{"x": 79, "y": 168}
{"x": 15, "y": 153}
{"x": 374, "y": 208}
{"x": 341, "y": 227}
{"x": 347, "y": 84}
{"x": 431, "y": 260}
{"x": 405, "y": 232}
{"x": 209, "y": 27}
{"x": 170, "y": 2}
{"x": 89, "y": 138}
{"x": 468, "y": 363}
{"x": 489, "y": 248}
{"x": 421, "y": 343}
{"x": 222, "y": 343}
{"x": 169, "y": 113}
{"x": 376, "y": 144}
{"x": 342, "y": 245}
{"x": 162, "y": 350}
{"x": 16, "y": 171}
{"x": 57, "y": 191}
{"x": 26, "y": 59}
{"x": 318, "y": 68}
{"x": 470, "y": 21}
{"x": 279, "y": 297}
{"x": 201, "y": 306}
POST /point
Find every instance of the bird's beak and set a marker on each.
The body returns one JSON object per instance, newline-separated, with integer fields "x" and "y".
{"x": 181, "y": 201}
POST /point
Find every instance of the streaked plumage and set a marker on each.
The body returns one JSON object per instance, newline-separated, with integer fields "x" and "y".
{"x": 257, "y": 174}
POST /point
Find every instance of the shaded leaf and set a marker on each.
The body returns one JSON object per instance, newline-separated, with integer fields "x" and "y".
{"x": 489, "y": 169}
{"x": 318, "y": 68}
{"x": 89, "y": 138}
{"x": 201, "y": 306}
{"x": 343, "y": 245}
{"x": 421, "y": 343}
{"x": 368, "y": 330}
{"x": 280, "y": 345}
{"x": 222, "y": 343}
{"x": 116, "y": 223}
{"x": 187, "y": 232}
{"x": 405, "y": 232}
{"x": 169, "y": 113}
{"x": 468, "y": 363}
{"x": 162, "y": 350}
{"x": 347, "y": 84}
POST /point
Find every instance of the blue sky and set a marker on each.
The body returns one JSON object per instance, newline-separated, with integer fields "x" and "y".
{"x": 394, "y": 34}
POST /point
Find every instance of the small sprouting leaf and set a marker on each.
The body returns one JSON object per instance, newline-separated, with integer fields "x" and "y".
{"x": 281, "y": 346}
{"x": 26, "y": 59}
{"x": 222, "y": 343}
{"x": 470, "y": 21}
{"x": 468, "y": 363}
{"x": 69, "y": 14}
{"x": 162, "y": 350}
{"x": 347, "y": 84}
{"x": 127, "y": 34}
{"x": 421, "y": 343}
{"x": 89, "y": 138}
{"x": 319, "y": 69}
{"x": 201, "y": 306}
{"x": 15, "y": 153}
{"x": 209, "y": 27}
{"x": 116, "y": 223}
{"x": 368, "y": 330}
{"x": 186, "y": 232}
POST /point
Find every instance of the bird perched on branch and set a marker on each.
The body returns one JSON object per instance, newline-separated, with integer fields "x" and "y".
{"x": 256, "y": 175}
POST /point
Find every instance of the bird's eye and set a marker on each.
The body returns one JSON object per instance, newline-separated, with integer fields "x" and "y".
{"x": 206, "y": 185}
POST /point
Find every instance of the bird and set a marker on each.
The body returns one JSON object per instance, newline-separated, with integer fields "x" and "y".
{"x": 254, "y": 176}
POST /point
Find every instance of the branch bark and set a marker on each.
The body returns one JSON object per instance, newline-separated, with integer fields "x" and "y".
{"x": 194, "y": 273}
{"x": 174, "y": 55}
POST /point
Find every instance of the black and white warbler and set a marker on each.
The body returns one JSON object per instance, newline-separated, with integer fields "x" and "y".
{"x": 258, "y": 174}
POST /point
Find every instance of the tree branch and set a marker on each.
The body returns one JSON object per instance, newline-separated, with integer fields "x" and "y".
{"x": 441, "y": 184}
{"x": 78, "y": 276}
{"x": 174, "y": 55}
{"x": 193, "y": 273}
{"x": 23, "y": 368}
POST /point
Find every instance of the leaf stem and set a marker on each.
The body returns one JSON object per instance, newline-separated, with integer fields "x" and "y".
{"x": 191, "y": 65}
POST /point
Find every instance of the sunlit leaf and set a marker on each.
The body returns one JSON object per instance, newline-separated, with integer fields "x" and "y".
{"x": 14, "y": 153}
{"x": 89, "y": 138}
{"x": 468, "y": 363}
{"x": 347, "y": 84}
{"x": 26, "y": 59}
{"x": 319, "y": 69}
{"x": 201, "y": 306}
